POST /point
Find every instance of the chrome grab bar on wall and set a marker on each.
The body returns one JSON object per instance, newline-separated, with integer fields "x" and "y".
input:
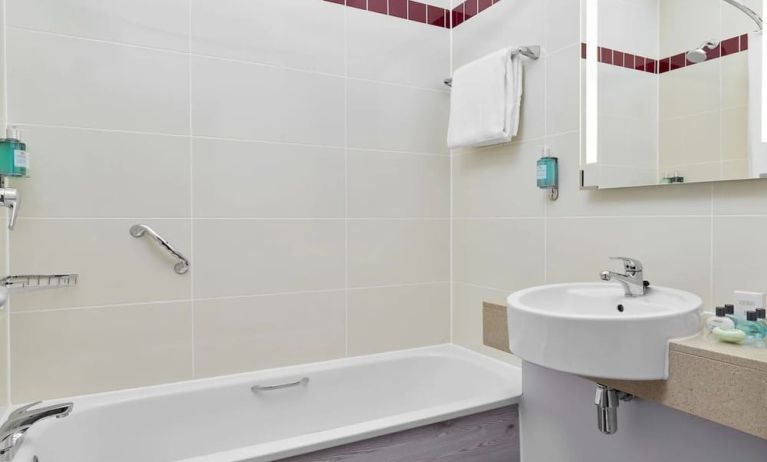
{"x": 182, "y": 266}
{"x": 257, "y": 388}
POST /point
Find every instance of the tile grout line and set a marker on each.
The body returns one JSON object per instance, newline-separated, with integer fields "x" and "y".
{"x": 191, "y": 188}
{"x": 346, "y": 182}
{"x": 231, "y": 297}
{"x": 7, "y": 243}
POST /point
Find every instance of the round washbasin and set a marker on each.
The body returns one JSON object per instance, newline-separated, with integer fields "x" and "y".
{"x": 594, "y": 329}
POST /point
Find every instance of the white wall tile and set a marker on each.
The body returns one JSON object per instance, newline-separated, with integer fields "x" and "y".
{"x": 250, "y": 257}
{"x": 151, "y": 23}
{"x": 389, "y": 252}
{"x": 385, "y": 49}
{"x": 396, "y": 118}
{"x": 497, "y": 182}
{"x": 563, "y": 91}
{"x": 235, "y": 179}
{"x": 90, "y": 173}
{"x": 395, "y": 318}
{"x": 561, "y": 25}
{"x": 503, "y": 254}
{"x": 70, "y": 352}
{"x": 64, "y": 81}
{"x": 245, "y": 334}
{"x": 255, "y": 102}
{"x": 738, "y": 256}
{"x": 301, "y": 34}
{"x": 394, "y": 185}
{"x": 674, "y": 251}
{"x": 114, "y": 267}
{"x": 467, "y": 315}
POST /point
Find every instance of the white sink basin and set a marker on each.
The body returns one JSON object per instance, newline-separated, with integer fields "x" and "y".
{"x": 595, "y": 330}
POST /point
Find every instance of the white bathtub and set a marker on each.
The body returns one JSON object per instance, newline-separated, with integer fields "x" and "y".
{"x": 223, "y": 420}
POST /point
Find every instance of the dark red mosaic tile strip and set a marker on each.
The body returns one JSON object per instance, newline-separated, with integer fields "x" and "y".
{"x": 405, "y": 9}
{"x": 660, "y": 66}
{"x": 469, "y": 9}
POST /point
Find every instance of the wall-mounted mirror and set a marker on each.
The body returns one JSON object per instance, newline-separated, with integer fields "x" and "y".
{"x": 672, "y": 92}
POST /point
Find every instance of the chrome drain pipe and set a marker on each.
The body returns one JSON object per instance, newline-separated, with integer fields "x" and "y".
{"x": 607, "y": 400}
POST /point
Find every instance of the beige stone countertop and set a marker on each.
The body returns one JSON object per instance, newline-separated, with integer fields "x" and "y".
{"x": 738, "y": 355}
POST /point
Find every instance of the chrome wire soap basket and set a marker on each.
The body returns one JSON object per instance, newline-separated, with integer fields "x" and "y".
{"x": 31, "y": 281}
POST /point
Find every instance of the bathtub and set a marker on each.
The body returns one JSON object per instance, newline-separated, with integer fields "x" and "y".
{"x": 291, "y": 411}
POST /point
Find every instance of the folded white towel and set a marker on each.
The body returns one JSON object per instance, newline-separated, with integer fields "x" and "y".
{"x": 485, "y": 101}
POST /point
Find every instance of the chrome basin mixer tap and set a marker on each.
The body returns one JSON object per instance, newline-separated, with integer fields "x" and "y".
{"x": 633, "y": 281}
{"x": 19, "y": 421}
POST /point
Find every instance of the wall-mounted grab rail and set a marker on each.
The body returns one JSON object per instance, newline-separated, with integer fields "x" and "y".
{"x": 257, "y": 388}
{"x": 182, "y": 266}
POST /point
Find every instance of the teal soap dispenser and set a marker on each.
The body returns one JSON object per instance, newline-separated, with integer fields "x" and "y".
{"x": 14, "y": 160}
{"x": 548, "y": 173}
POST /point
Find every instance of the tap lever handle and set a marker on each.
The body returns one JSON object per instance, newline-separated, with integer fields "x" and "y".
{"x": 630, "y": 264}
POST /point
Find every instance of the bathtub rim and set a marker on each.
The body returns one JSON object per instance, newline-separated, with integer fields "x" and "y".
{"x": 495, "y": 397}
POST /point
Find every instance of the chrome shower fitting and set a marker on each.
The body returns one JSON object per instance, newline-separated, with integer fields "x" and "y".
{"x": 747, "y": 11}
{"x": 699, "y": 54}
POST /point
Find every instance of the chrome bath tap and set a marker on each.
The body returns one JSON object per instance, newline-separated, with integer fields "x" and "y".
{"x": 19, "y": 421}
{"x": 633, "y": 281}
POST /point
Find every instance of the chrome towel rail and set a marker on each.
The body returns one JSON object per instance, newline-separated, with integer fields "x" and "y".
{"x": 182, "y": 266}
{"x": 528, "y": 51}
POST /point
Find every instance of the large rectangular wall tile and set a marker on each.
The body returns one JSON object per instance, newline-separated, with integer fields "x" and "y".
{"x": 395, "y": 318}
{"x": 255, "y": 102}
{"x": 689, "y": 199}
{"x": 675, "y": 251}
{"x": 56, "y": 80}
{"x": 151, "y": 23}
{"x": 468, "y": 319}
{"x": 391, "y": 252}
{"x": 71, "y": 352}
{"x": 500, "y": 253}
{"x": 562, "y": 90}
{"x": 740, "y": 198}
{"x": 250, "y": 257}
{"x": 114, "y": 267}
{"x": 388, "y": 184}
{"x": 497, "y": 182}
{"x": 105, "y": 174}
{"x": 301, "y": 34}
{"x": 253, "y": 179}
{"x": 738, "y": 256}
{"x": 396, "y": 118}
{"x": 250, "y": 333}
{"x": 404, "y": 52}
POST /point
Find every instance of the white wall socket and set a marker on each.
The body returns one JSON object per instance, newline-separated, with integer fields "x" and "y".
{"x": 747, "y": 301}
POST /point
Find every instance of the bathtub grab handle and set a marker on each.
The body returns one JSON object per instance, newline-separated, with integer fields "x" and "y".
{"x": 257, "y": 388}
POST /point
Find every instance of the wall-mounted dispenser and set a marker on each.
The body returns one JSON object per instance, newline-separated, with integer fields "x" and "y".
{"x": 548, "y": 173}
{"x": 14, "y": 162}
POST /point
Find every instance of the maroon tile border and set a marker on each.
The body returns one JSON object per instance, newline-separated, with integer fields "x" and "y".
{"x": 671, "y": 63}
{"x": 422, "y": 12}
{"x": 405, "y": 9}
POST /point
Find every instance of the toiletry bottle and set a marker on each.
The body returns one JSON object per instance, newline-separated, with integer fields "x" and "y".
{"x": 761, "y": 318}
{"x": 14, "y": 160}
{"x": 729, "y": 309}
{"x": 720, "y": 320}
{"x": 751, "y": 328}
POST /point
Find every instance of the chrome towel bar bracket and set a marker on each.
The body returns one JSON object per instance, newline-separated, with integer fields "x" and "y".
{"x": 182, "y": 265}
{"x": 529, "y": 51}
